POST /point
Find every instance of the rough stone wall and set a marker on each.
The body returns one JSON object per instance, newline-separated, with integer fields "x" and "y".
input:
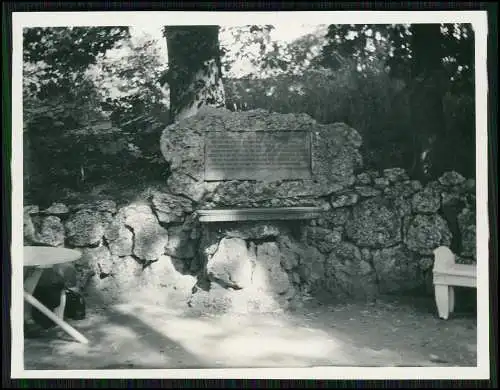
{"x": 335, "y": 156}
{"x": 376, "y": 234}
{"x": 140, "y": 250}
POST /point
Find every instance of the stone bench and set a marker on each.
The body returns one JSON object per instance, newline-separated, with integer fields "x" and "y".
{"x": 446, "y": 275}
{"x": 259, "y": 214}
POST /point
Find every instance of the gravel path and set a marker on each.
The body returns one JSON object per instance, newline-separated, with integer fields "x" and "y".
{"x": 388, "y": 332}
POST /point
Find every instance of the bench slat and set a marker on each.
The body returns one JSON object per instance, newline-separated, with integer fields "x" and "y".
{"x": 458, "y": 269}
{"x": 454, "y": 280}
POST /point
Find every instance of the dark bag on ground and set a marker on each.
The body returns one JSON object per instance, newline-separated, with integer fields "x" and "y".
{"x": 50, "y": 296}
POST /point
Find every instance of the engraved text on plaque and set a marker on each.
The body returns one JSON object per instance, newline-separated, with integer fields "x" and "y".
{"x": 258, "y": 155}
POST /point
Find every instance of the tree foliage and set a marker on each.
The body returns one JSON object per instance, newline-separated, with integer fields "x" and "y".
{"x": 408, "y": 51}
{"x": 75, "y": 107}
{"x": 249, "y": 43}
{"x": 128, "y": 79}
{"x": 95, "y": 100}
{"x": 55, "y": 84}
{"x": 259, "y": 55}
{"x": 66, "y": 51}
{"x": 395, "y": 84}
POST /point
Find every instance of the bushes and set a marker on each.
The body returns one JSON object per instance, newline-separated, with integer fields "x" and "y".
{"x": 95, "y": 155}
{"x": 372, "y": 102}
{"x": 89, "y": 119}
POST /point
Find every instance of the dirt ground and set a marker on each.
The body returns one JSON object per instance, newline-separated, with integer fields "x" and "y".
{"x": 393, "y": 331}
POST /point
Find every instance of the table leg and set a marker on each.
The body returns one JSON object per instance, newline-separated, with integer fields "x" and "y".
{"x": 64, "y": 325}
{"x": 30, "y": 284}
{"x": 60, "y": 309}
{"x": 31, "y": 281}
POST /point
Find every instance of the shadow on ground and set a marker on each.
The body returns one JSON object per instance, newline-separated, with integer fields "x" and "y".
{"x": 389, "y": 332}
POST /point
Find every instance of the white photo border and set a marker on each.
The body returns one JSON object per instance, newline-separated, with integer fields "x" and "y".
{"x": 479, "y": 21}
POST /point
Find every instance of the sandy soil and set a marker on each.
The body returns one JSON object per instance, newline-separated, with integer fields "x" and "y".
{"x": 389, "y": 332}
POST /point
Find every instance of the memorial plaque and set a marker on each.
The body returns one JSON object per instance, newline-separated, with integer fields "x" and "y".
{"x": 257, "y": 155}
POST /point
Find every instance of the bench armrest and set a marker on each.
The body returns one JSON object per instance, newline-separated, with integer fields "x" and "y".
{"x": 444, "y": 258}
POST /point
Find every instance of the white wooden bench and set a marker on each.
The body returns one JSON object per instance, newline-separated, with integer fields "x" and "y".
{"x": 446, "y": 275}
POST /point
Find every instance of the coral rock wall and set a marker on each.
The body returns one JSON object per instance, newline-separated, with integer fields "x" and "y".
{"x": 375, "y": 235}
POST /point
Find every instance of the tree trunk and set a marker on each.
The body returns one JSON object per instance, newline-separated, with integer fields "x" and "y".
{"x": 194, "y": 75}
{"x": 428, "y": 125}
{"x": 426, "y": 99}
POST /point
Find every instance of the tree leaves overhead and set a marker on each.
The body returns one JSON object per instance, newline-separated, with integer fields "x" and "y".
{"x": 364, "y": 43}
{"x": 69, "y": 76}
{"x": 249, "y": 43}
{"x": 55, "y": 64}
{"x": 459, "y": 55}
{"x": 393, "y": 48}
{"x": 387, "y": 81}
{"x": 297, "y": 56}
{"x": 69, "y": 48}
{"x": 408, "y": 51}
{"x": 128, "y": 82}
{"x": 431, "y": 60}
{"x": 254, "y": 51}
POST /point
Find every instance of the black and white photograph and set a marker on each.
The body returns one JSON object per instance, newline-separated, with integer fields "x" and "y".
{"x": 232, "y": 194}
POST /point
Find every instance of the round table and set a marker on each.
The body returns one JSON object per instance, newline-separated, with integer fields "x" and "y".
{"x": 43, "y": 257}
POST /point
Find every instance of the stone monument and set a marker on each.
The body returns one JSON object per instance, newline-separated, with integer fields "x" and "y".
{"x": 256, "y": 180}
